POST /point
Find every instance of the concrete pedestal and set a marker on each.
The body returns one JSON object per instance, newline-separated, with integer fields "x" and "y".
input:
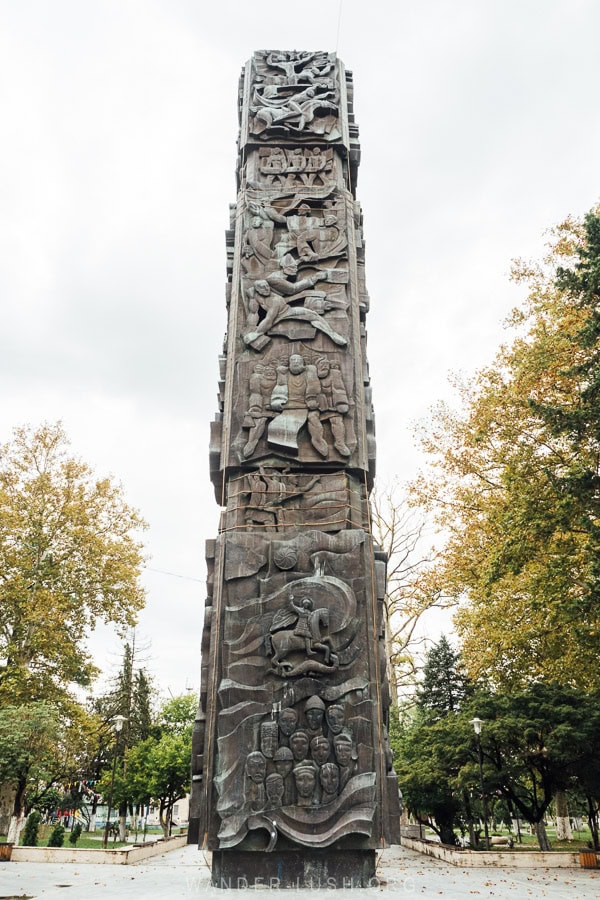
{"x": 294, "y": 869}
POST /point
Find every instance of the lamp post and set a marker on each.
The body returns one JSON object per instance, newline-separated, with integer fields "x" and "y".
{"x": 118, "y": 725}
{"x": 477, "y": 723}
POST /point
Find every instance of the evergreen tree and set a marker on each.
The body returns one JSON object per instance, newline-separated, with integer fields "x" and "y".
{"x": 444, "y": 686}
{"x": 574, "y": 416}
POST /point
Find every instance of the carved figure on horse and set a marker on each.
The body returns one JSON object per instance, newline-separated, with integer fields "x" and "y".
{"x": 298, "y": 627}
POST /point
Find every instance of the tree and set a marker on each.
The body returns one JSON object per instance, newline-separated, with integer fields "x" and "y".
{"x": 433, "y": 747}
{"x": 28, "y": 738}
{"x": 30, "y": 833}
{"x": 399, "y": 531}
{"x": 444, "y": 686}
{"x": 536, "y": 742}
{"x": 158, "y": 767}
{"x": 69, "y": 556}
{"x": 130, "y": 696}
{"x": 514, "y": 482}
{"x": 428, "y": 758}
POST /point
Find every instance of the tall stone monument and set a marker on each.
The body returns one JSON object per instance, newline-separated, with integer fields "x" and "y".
{"x": 292, "y": 773}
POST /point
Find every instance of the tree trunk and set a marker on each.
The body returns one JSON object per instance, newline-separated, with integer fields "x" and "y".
{"x": 593, "y": 822}
{"x": 540, "y": 831}
{"x": 18, "y": 817}
{"x": 164, "y": 819}
{"x": 123, "y": 822}
{"x": 92, "y": 825}
{"x": 469, "y": 812}
{"x": 563, "y": 823}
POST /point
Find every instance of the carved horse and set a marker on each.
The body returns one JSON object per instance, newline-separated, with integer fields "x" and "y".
{"x": 281, "y": 643}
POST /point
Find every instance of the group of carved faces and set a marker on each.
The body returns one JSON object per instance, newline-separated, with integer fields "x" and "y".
{"x": 314, "y": 390}
{"x": 306, "y": 758}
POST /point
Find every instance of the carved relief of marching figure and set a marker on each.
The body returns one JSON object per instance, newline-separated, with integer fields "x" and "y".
{"x": 296, "y": 397}
{"x": 262, "y": 381}
{"x": 333, "y": 402}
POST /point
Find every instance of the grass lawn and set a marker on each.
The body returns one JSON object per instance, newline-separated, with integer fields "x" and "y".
{"x": 530, "y": 842}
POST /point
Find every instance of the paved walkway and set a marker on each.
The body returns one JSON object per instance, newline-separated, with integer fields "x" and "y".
{"x": 184, "y": 875}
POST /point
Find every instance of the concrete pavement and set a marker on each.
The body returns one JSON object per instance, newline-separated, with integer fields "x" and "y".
{"x": 184, "y": 875}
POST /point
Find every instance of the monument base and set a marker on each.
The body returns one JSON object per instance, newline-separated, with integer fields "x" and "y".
{"x": 294, "y": 869}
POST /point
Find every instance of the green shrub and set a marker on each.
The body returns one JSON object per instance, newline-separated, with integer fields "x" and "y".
{"x": 75, "y": 834}
{"x": 30, "y": 834}
{"x": 57, "y": 836}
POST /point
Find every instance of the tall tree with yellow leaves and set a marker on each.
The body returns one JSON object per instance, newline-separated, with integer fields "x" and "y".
{"x": 69, "y": 556}
{"x": 514, "y": 480}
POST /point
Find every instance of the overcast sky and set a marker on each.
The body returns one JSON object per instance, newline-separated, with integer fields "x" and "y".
{"x": 479, "y": 129}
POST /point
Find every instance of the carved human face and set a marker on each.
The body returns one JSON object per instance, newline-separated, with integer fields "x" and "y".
{"x": 306, "y": 781}
{"x": 268, "y": 739}
{"x": 323, "y": 367}
{"x": 299, "y": 745}
{"x": 262, "y": 287}
{"x": 320, "y": 748}
{"x": 314, "y": 718}
{"x": 296, "y": 364}
{"x": 343, "y": 751}
{"x": 329, "y": 776}
{"x": 288, "y": 719}
{"x": 274, "y": 788}
{"x": 283, "y": 764}
{"x": 256, "y": 767}
{"x": 335, "y": 718}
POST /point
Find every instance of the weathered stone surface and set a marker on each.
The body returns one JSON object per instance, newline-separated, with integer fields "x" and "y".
{"x": 290, "y": 748}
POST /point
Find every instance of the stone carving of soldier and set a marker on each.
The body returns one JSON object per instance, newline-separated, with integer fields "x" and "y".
{"x": 262, "y": 381}
{"x": 314, "y": 712}
{"x": 329, "y": 239}
{"x": 298, "y": 387}
{"x": 259, "y": 240}
{"x": 315, "y": 160}
{"x": 303, "y": 227}
{"x": 333, "y": 402}
{"x": 293, "y": 114}
{"x": 302, "y": 628}
{"x": 274, "y": 162}
{"x": 301, "y": 624}
{"x": 297, "y": 161}
{"x": 267, "y": 294}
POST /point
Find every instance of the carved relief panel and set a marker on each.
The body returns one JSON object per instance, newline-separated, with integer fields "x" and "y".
{"x": 295, "y": 688}
{"x": 292, "y": 95}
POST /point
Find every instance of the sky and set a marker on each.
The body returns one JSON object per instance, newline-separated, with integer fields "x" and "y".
{"x": 479, "y": 130}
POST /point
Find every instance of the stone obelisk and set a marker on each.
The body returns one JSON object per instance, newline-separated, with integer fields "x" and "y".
{"x": 292, "y": 774}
